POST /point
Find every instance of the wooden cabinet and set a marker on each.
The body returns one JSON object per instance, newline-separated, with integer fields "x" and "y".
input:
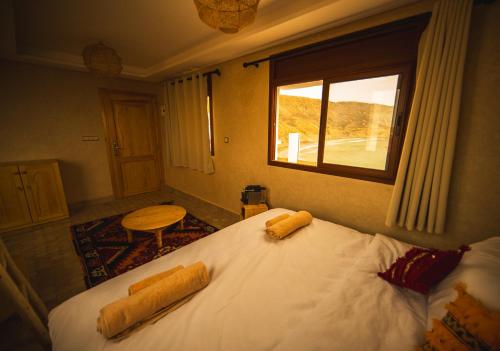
{"x": 14, "y": 210}
{"x": 248, "y": 211}
{"x": 30, "y": 193}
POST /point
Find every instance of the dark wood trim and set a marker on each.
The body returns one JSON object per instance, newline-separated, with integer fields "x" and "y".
{"x": 405, "y": 73}
{"x": 211, "y": 111}
{"x": 418, "y": 22}
{"x": 336, "y": 172}
{"x": 322, "y": 121}
{"x": 403, "y": 66}
{"x": 272, "y": 117}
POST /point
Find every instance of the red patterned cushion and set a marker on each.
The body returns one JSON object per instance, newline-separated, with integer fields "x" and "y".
{"x": 419, "y": 269}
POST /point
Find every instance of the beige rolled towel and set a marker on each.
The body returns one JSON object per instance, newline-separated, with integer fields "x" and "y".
{"x": 125, "y": 312}
{"x": 276, "y": 219}
{"x": 132, "y": 289}
{"x": 289, "y": 225}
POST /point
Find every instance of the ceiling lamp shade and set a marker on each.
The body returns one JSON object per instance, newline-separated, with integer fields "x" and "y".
{"x": 228, "y": 16}
{"x": 102, "y": 60}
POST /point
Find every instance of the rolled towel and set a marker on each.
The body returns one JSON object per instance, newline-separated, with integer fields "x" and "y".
{"x": 289, "y": 225}
{"x": 125, "y": 312}
{"x": 132, "y": 289}
{"x": 276, "y": 219}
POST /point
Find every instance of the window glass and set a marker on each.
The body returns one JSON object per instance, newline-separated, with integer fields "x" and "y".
{"x": 359, "y": 122}
{"x": 298, "y": 114}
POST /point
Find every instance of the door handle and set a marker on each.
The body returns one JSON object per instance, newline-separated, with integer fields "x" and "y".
{"x": 116, "y": 148}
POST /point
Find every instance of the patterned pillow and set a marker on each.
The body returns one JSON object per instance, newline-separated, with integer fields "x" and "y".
{"x": 468, "y": 325}
{"x": 419, "y": 269}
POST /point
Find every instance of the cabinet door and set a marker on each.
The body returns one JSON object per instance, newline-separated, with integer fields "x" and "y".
{"x": 44, "y": 191}
{"x": 14, "y": 210}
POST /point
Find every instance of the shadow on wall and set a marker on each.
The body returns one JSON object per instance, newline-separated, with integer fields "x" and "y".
{"x": 72, "y": 174}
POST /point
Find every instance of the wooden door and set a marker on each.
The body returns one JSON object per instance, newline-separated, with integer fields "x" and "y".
{"x": 14, "y": 210}
{"x": 133, "y": 141}
{"x": 44, "y": 190}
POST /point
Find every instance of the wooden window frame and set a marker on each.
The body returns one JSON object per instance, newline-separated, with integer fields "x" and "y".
{"x": 406, "y": 71}
{"x": 211, "y": 111}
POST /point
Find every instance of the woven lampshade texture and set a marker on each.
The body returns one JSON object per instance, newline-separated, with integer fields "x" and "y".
{"x": 228, "y": 16}
{"x": 102, "y": 60}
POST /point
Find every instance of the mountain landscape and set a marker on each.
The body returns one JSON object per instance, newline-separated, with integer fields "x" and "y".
{"x": 345, "y": 119}
{"x": 357, "y": 133}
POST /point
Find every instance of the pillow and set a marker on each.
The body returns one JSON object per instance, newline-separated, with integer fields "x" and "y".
{"x": 419, "y": 269}
{"x": 478, "y": 269}
{"x": 467, "y": 325}
{"x": 381, "y": 253}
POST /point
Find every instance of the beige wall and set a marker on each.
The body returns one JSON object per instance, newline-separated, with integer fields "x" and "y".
{"x": 241, "y": 113}
{"x": 44, "y": 112}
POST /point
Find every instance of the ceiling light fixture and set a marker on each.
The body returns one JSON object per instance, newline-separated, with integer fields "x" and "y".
{"x": 228, "y": 16}
{"x": 102, "y": 60}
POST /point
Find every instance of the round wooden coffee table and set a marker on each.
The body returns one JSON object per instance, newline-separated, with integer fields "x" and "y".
{"x": 153, "y": 220}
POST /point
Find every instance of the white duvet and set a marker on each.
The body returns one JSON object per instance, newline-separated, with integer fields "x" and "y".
{"x": 316, "y": 290}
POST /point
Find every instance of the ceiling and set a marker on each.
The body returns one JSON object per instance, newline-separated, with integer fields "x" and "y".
{"x": 158, "y": 39}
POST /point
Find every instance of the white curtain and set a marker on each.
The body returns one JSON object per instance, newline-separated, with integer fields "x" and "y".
{"x": 187, "y": 123}
{"x": 419, "y": 198}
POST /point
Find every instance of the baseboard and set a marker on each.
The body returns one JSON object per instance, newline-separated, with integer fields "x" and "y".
{"x": 76, "y": 205}
{"x": 172, "y": 189}
{"x": 166, "y": 188}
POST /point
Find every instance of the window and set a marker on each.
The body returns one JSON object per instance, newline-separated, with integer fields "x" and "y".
{"x": 340, "y": 107}
{"x": 297, "y": 122}
{"x": 359, "y": 122}
{"x": 210, "y": 112}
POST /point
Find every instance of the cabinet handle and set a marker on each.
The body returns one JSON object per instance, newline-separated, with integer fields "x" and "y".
{"x": 16, "y": 173}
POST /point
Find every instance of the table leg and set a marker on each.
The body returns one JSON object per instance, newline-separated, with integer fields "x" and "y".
{"x": 129, "y": 235}
{"x": 158, "y": 238}
{"x": 181, "y": 226}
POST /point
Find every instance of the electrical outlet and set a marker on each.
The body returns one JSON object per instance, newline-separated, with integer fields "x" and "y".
{"x": 226, "y": 140}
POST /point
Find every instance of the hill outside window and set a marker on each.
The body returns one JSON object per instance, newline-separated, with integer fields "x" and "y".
{"x": 340, "y": 106}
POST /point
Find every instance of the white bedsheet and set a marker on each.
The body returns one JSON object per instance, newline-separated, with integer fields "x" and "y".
{"x": 316, "y": 290}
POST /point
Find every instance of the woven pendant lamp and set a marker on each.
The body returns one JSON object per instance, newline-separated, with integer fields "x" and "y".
{"x": 102, "y": 60}
{"x": 228, "y": 16}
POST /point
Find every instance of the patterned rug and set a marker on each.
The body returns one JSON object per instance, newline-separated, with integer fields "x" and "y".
{"x": 105, "y": 252}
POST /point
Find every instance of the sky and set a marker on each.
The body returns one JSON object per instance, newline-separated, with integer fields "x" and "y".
{"x": 380, "y": 90}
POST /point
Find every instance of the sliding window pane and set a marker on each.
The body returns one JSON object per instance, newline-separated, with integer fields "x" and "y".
{"x": 359, "y": 122}
{"x": 298, "y": 113}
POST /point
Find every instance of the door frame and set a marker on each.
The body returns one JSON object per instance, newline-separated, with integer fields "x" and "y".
{"x": 107, "y": 112}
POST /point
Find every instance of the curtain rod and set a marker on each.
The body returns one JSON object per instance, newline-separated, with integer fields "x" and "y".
{"x": 256, "y": 62}
{"x": 206, "y": 74}
{"x": 209, "y": 73}
{"x": 284, "y": 54}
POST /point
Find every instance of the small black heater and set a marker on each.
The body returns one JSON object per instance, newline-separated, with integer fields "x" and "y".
{"x": 253, "y": 195}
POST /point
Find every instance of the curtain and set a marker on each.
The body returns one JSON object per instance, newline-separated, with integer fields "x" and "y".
{"x": 420, "y": 193}
{"x": 187, "y": 124}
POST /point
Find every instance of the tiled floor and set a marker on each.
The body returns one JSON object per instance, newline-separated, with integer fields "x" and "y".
{"x": 46, "y": 255}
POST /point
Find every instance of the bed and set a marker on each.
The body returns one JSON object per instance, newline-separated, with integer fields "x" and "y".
{"x": 316, "y": 290}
